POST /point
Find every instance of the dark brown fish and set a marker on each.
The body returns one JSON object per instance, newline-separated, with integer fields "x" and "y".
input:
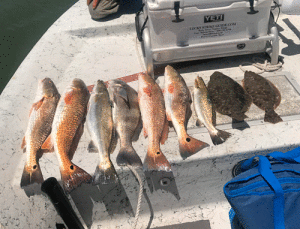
{"x": 228, "y": 97}
{"x": 67, "y": 130}
{"x": 265, "y": 95}
{"x": 39, "y": 127}
{"x": 127, "y": 121}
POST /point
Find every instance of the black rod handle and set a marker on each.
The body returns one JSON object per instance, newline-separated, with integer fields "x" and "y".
{"x": 61, "y": 203}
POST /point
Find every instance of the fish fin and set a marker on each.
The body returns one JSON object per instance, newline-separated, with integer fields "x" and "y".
{"x": 48, "y": 145}
{"x": 148, "y": 90}
{"x": 36, "y": 105}
{"x": 128, "y": 156}
{"x": 92, "y": 148}
{"x": 122, "y": 93}
{"x": 170, "y": 124}
{"x": 165, "y": 132}
{"x": 156, "y": 161}
{"x": 272, "y": 117}
{"x": 73, "y": 177}
{"x": 23, "y": 143}
{"x": 31, "y": 175}
{"x": 220, "y": 137}
{"x": 113, "y": 141}
{"x": 105, "y": 174}
{"x": 189, "y": 146}
{"x": 188, "y": 115}
{"x": 145, "y": 132}
{"x": 239, "y": 116}
{"x": 75, "y": 141}
{"x": 189, "y": 93}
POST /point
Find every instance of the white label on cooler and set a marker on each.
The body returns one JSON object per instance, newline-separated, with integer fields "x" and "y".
{"x": 207, "y": 31}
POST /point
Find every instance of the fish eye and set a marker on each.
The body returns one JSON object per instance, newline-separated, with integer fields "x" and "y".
{"x": 158, "y": 153}
{"x": 188, "y": 139}
{"x": 72, "y": 167}
{"x": 34, "y": 167}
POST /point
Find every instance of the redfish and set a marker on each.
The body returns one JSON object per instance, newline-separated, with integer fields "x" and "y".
{"x": 155, "y": 123}
{"x": 67, "y": 130}
{"x": 39, "y": 127}
{"x": 178, "y": 107}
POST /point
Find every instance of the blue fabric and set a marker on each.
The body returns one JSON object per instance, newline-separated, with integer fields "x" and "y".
{"x": 268, "y": 195}
{"x": 264, "y": 168}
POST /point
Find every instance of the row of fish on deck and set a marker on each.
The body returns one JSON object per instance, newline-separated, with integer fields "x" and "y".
{"x": 115, "y": 111}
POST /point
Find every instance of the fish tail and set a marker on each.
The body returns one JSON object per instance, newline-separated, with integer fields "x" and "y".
{"x": 156, "y": 160}
{"x": 74, "y": 177}
{"x": 272, "y": 117}
{"x": 219, "y": 137}
{"x": 105, "y": 174}
{"x": 189, "y": 146}
{"x": 31, "y": 175}
{"x": 128, "y": 156}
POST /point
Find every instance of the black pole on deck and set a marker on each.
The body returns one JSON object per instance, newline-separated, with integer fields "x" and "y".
{"x": 61, "y": 203}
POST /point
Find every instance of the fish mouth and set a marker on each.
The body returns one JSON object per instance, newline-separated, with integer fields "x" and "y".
{"x": 99, "y": 86}
{"x": 171, "y": 72}
{"x": 78, "y": 84}
{"x": 199, "y": 83}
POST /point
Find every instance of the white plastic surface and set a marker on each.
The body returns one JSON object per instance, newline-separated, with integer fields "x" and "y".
{"x": 291, "y": 7}
{"x": 235, "y": 23}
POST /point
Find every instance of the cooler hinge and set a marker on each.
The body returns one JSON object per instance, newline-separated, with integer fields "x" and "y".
{"x": 176, "y": 8}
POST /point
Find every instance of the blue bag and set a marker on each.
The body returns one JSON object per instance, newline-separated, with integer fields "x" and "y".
{"x": 268, "y": 195}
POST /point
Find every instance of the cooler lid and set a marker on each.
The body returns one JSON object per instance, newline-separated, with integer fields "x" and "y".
{"x": 154, "y": 5}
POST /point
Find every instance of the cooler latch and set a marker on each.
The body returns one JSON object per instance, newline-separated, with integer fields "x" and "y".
{"x": 176, "y": 8}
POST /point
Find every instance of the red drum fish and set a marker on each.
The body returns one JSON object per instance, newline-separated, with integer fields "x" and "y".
{"x": 178, "y": 108}
{"x": 155, "y": 123}
{"x": 67, "y": 130}
{"x": 39, "y": 127}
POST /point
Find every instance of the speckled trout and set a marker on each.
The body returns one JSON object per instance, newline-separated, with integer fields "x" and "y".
{"x": 100, "y": 126}
{"x": 178, "y": 107}
{"x": 67, "y": 129}
{"x": 155, "y": 123}
{"x": 204, "y": 111}
{"x": 127, "y": 121}
{"x": 38, "y": 129}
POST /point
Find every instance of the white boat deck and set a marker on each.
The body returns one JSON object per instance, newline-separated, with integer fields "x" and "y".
{"x": 77, "y": 47}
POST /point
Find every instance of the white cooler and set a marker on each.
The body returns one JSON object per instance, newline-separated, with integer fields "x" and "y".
{"x": 181, "y": 30}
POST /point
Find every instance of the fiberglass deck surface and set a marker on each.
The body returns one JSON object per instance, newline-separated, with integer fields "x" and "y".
{"x": 77, "y": 47}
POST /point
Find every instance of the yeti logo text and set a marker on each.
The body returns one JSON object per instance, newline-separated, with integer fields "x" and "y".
{"x": 214, "y": 18}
